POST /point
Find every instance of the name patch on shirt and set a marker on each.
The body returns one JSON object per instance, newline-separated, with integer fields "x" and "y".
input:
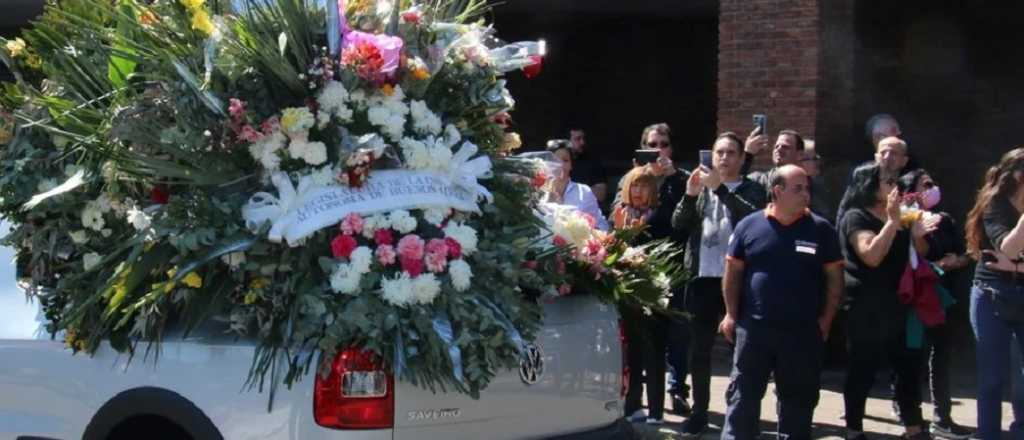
{"x": 806, "y": 247}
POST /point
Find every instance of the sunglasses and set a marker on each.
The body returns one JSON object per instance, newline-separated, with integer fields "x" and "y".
{"x": 928, "y": 185}
{"x": 658, "y": 144}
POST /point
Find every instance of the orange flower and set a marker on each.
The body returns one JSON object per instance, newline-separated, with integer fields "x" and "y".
{"x": 387, "y": 89}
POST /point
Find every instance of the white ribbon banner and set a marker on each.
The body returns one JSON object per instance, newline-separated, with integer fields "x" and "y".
{"x": 297, "y": 213}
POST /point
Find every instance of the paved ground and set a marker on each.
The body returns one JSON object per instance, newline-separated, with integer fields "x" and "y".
{"x": 879, "y": 423}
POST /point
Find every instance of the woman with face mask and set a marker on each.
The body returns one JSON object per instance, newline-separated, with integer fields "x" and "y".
{"x": 946, "y": 250}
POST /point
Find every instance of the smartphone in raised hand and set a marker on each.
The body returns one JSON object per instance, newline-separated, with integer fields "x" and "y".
{"x": 761, "y": 123}
{"x": 705, "y": 159}
{"x": 646, "y": 156}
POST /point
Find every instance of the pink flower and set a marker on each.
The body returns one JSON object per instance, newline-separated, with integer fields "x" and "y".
{"x": 412, "y": 266}
{"x": 454, "y": 248}
{"x": 384, "y": 236}
{"x": 559, "y": 241}
{"x": 594, "y": 251}
{"x": 270, "y": 125}
{"x": 343, "y": 245}
{"x": 564, "y": 289}
{"x": 530, "y": 264}
{"x": 375, "y": 56}
{"x": 435, "y": 262}
{"x": 411, "y": 17}
{"x": 411, "y": 247}
{"x": 236, "y": 108}
{"x": 249, "y": 134}
{"x": 590, "y": 220}
{"x": 437, "y": 246}
{"x": 386, "y": 255}
{"x": 352, "y": 224}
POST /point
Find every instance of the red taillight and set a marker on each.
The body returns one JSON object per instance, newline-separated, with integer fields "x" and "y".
{"x": 357, "y": 394}
{"x": 624, "y": 346}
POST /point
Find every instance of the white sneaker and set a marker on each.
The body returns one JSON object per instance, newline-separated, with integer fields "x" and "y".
{"x": 637, "y": 416}
{"x": 654, "y": 421}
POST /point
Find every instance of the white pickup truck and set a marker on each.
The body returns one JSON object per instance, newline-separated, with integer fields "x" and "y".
{"x": 570, "y": 385}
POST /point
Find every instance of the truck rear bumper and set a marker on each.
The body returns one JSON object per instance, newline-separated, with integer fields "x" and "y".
{"x": 620, "y": 430}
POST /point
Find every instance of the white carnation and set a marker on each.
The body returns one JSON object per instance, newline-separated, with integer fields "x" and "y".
{"x": 440, "y": 158}
{"x": 425, "y": 288}
{"x": 401, "y": 221}
{"x": 417, "y": 156}
{"x": 139, "y": 219}
{"x": 397, "y": 291}
{"x": 424, "y": 121}
{"x": 358, "y": 99}
{"x": 322, "y": 119}
{"x": 465, "y": 235}
{"x": 90, "y": 260}
{"x": 334, "y": 99}
{"x": 297, "y": 120}
{"x": 315, "y": 154}
{"x": 265, "y": 150}
{"x": 451, "y": 136}
{"x": 322, "y": 176}
{"x": 435, "y": 216}
{"x": 92, "y": 217}
{"x": 345, "y": 279}
{"x": 461, "y": 274}
{"x": 79, "y": 236}
{"x": 373, "y": 223}
{"x": 361, "y": 259}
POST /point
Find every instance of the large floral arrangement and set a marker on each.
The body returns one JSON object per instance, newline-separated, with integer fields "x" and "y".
{"x": 316, "y": 176}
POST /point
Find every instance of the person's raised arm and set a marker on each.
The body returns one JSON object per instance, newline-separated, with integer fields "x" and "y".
{"x": 872, "y": 248}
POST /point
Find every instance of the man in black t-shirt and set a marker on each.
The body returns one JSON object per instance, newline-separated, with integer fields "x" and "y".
{"x": 783, "y": 280}
{"x": 585, "y": 168}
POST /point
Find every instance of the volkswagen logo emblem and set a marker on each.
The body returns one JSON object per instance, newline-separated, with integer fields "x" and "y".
{"x": 531, "y": 365}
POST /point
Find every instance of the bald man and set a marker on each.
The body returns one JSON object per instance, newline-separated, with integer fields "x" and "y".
{"x": 783, "y": 280}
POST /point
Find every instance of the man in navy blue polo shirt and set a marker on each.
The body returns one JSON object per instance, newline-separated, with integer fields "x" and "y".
{"x": 782, "y": 284}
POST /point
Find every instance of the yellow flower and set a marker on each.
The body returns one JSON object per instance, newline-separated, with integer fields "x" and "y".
{"x": 192, "y": 5}
{"x": 387, "y": 90}
{"x": 15, "y": 47}
{"x": 251, "y": 297}
{"x": 202, "y": 23}
{"x": 259, "y": 283}
{"x": 193, "y": 280}
{"x": 33, "y": 61}
{"x": 421, "y": 74}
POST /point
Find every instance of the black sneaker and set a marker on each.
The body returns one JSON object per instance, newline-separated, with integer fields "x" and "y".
{"x": 680, "y": 407}
{"x": 948, "y": 429}
{"x": 693, "y": 428}
{"x": 921, "y": 435}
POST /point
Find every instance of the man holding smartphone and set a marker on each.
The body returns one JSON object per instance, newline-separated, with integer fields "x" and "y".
{"x": 716, "y": 199}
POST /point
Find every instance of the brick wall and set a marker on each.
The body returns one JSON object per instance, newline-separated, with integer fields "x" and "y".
{"x": 768, "y": 62}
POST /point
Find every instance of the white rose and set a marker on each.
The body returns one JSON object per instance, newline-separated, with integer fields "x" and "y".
{"x": 425, "y": 288}
{"x": 361, "y": 259}
{"x": 90, "y": 260}
{"x": 460, "y": 273}
{"x": 397, "y": 291}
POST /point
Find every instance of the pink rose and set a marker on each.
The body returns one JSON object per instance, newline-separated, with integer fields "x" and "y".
{"x": 352, "y": 224}
{"x": 384, "y": 236}
{"x": 564, "y": 289}
{"x": 411, "y": 247}
{"x": 343, "y": 245}
{"x": 435, "y": 262}
{"x": 412, "y": 266}
{"x": 249, "y": 134}
{"x": 386, "y": 255}
{"x": 454, "y": 248}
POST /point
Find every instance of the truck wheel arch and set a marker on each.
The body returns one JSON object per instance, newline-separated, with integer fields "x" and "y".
{"x": 150, "y": 401}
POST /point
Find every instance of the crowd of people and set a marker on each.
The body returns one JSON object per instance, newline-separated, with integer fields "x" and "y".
{"x": 771, "y": 263}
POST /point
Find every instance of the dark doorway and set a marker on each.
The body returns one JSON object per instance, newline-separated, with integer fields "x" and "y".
{"x": 614, "y": 68}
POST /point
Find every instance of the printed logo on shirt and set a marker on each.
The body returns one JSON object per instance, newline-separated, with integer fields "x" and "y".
{"x": 806, "y": 247}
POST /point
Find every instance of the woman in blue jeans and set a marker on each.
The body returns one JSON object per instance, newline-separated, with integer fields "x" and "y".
{"x": 995, "y": 230}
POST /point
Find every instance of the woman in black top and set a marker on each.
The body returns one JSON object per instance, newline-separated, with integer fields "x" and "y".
{"x": 995, "y": 225}
{"x": 876, "y": 248}
{"x": 948, "y": 252}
